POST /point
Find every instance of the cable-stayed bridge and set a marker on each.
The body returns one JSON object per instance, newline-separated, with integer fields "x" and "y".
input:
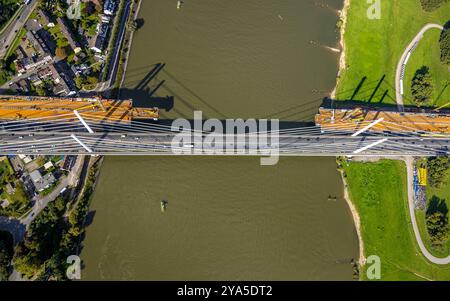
{"x": 108, "y": 128}
{"x": 89, "y": 135}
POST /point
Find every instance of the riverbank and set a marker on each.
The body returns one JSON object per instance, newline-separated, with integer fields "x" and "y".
{"x": 128, "y": 44}
{"x": 342, "y": 66}
{"x": 356, "y": 218}
{"x": 342, "y": 58}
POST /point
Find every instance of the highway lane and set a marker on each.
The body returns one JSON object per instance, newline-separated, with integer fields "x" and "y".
{"x": 161, "y": 144}
{"x": 8, "y": 35}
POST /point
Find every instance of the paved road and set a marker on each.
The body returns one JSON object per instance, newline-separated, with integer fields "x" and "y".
{"x": 409, "y": 161}
{"x": 398, "y": 75}
{"x": 9, "y": 34}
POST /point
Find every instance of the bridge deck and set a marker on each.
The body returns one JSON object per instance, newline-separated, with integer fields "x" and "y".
{"x": 14, "y": 108}
{"x": 352, "y": 119}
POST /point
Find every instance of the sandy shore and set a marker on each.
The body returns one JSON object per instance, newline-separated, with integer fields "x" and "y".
{"x": 356, "y": 220}
{"x": 342, "y": 58}
{"x": 342, "y": 66}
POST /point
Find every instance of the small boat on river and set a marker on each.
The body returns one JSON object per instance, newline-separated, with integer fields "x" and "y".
{"x": 164, "y": 204}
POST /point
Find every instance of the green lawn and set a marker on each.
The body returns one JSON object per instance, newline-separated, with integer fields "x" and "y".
{"x": 379, "y": 193}
{"x": 443, "y": 193}
{"x": 428, "y": 54}
{"x": 374, "y": 48}
{"x": 19, "y": 202}
{"x": 58, "y": 36}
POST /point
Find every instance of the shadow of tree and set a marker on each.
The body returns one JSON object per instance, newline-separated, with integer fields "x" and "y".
{"x": 437, "y": 204}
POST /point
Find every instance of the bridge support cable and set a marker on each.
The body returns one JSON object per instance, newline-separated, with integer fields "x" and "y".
{"x": 370, "y": 146}
{"x": 87, "y": 148}
{"x": 368, "y": 127}
{"x": 88, "y": 128}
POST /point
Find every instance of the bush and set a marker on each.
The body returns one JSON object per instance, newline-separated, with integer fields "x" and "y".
{"x": 437, "y": 170}
{"x": 430, "y": 5}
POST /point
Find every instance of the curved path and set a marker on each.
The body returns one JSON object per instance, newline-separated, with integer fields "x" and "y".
{"x": 398, "y": 74}
{"x": 409, "y": 161}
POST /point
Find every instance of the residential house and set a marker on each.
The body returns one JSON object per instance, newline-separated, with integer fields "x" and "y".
{"x": 42, "y": 182}
{"x": 99, "y": 42}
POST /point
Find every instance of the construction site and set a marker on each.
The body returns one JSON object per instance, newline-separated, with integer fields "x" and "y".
{"x": 425, "y": 122}
{"x": 54, "y": 109}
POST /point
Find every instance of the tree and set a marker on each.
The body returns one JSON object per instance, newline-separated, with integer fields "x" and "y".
{"x": 422, "y": 86}
{"x": 6, "y": 252}
{"x": 41, "y": 91}
{"x": 437, "y": 168}
{"x": 79, "y": 82}
{"x": 444, "y": 43}
{"x": 430, "y": 5}
{"x": 61, "y": 52}
{"x": 437, "y": 227}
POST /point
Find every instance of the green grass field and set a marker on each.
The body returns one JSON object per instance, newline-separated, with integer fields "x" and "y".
{"x": 379, "y": 193}
{"x": 428, "y": 54}
{"x": 374, "y": 47}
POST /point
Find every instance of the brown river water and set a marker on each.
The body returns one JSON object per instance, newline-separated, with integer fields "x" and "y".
{"x": 227, "y": 217}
